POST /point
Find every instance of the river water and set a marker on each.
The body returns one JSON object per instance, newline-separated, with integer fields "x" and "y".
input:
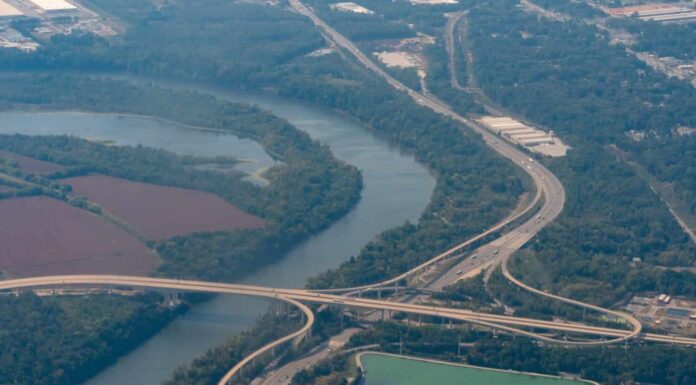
{"x": 396, "y": 189}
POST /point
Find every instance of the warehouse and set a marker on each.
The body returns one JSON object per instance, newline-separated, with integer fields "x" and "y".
{"x": 53, "y": 5}
{"x": 7, "y": 10}
{"x": 531, "y": 142}
{"x": 533, "y": 139}
{"x": 538, "y": 134}
{"x": 518, "y": 131}
{"x": 672, "y": 17}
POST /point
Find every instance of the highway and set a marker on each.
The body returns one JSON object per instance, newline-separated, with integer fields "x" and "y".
{"x": 309, "y": 296}
{"x": 549, "y": 191}
{"x": 283, "y": 375}
{"x": 501, "y": 249}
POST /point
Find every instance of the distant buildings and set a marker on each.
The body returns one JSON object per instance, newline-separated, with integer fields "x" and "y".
{"x": 655, "y": 12}
{"x": 53, "y": 5}
{"x": 6, "y": 10}
{"x": 532, "y": 138}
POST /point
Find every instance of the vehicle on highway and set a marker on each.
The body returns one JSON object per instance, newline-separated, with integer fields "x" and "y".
{"x": 460, "y": 272}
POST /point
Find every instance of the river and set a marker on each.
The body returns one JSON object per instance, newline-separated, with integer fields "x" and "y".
{"x": 396, "y": 189}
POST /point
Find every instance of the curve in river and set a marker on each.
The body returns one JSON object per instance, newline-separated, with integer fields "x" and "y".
{"x": 396, "y": 189}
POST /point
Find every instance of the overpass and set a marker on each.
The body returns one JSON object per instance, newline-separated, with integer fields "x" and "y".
{"x": 549, "y": 189}
{"x": 299, "y": 296}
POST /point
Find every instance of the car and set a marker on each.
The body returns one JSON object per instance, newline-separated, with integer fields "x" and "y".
{"x": 459, "y": 272}
{"x": 496, "y": 251}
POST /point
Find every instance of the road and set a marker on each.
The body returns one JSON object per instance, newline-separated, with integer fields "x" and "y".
{"x": 500, "y": 250}
{"x": 309, "y": 296}
{"x": 452, "y": 20}
{"x": 283, "y": 375}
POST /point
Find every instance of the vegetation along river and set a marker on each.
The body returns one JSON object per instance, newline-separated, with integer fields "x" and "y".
{"x": 396, "y": 189}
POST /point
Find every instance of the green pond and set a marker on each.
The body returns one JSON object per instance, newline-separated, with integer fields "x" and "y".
{"x": 390, "y": 370}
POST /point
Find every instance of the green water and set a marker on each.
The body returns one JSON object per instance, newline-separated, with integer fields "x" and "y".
{"x": 388, "y": 370}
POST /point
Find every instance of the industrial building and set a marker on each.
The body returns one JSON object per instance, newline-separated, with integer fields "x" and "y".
{"x": 6, "y": 10}
{"x": 655, "y": 12}
{"x": 53, "y": 5}
{"x": 519, "y": 133}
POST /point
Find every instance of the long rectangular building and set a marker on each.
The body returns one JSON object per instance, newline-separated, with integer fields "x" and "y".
{"x": 53, "y": 5}
{"x": 672, "y": 17}
{"x": 533, "y": 139}
{"x": 531, "y": 142}
{"x": 538, "y": 134}
{"x": 518, "y": 131}
{"x": 6, "y": 10}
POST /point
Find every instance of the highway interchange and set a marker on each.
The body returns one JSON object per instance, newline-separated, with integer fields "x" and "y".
{"x": 550, "y": 193}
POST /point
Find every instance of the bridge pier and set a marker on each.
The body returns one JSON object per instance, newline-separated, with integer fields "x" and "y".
{"x": 172, "y": 299}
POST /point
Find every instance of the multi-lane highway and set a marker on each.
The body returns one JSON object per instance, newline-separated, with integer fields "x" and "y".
{"x": 501, "y": 249}
{"x": 549, "y": 191}
{"x": 309, "y": 296}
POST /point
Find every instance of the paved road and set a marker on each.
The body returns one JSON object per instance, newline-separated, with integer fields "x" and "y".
{"x": 497, "y": 251}
{"x": 309, "y": 296}
{"x": 546, "y": 182}
{"x": 284, "y": 374}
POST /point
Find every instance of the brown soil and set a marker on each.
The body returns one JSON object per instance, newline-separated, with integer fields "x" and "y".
{"x": 44, "y": 236}
{"x": 159, "y": 212}
{"x": 31, "y": 165}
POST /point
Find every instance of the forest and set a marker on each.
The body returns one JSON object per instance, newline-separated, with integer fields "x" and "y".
{"x": 307, "y": 193}
{"x": 611, "y": 365}
{"x": 567, "y": 77}
{"x": 665, "y": 40}
{"x": 34, "y": 331}
{"x": 310, "y": 190}
{"x": 611, "y": 215}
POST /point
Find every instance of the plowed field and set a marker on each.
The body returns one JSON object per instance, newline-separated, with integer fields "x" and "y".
{"x": 159, "y": 212}
{"x": 44, "y": 236}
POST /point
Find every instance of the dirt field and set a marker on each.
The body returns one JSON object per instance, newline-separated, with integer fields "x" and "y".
{"x": 31, "y": 165}
{"x": 159, "y": 212}
{"x": 43, "y": 236}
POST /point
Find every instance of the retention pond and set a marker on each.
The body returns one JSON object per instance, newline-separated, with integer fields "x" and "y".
{"x": 382, "y": 369}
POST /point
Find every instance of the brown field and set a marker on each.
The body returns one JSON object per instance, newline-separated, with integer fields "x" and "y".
{"x": 31, "y": 165}
{"x": 44, "y": 236}
{"x": 159, "y": 212}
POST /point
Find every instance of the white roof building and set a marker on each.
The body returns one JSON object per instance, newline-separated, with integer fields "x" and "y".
{"x": 53, "y": 5}
{"x": 8, "y": 10}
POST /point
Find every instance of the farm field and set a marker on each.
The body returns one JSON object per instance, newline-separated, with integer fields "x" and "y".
{"x": 31, "y": 165}
{"x": 44, "y": 236}
{"x": 159, "y": 212}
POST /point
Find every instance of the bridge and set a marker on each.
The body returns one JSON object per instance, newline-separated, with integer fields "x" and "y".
{"x": 549, "y": 195}
{"x": 298, "y": 297}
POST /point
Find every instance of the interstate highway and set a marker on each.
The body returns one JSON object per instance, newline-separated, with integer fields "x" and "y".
{"x": 308, "y": 296}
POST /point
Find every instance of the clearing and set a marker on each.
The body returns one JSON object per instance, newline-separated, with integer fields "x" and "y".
{"x": 31, "y": 165}
{"x": 44, "y": 236}
{"x": 160, "y": 212}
